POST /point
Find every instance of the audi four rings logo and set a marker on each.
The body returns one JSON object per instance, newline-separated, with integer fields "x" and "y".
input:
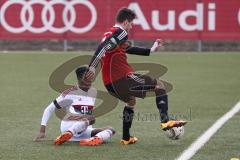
{"x": 48, "y": 16}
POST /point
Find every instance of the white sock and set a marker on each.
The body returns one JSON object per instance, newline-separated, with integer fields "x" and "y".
{"x": 105, "y": 134}
{"x": 79, "y": 126}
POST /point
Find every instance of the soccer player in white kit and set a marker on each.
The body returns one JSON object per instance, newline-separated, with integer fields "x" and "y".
{"x": 76, "y": 125}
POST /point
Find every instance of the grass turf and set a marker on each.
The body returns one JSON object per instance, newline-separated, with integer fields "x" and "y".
{"x": 205, "y": 87}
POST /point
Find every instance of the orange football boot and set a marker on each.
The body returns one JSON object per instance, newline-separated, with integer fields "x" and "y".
{"x": 63, "y": 138}
{"x": 93, "y": 141}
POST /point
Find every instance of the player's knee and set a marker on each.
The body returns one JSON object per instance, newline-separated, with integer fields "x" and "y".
{"x": 132, "y": 102}
{"x": 160, "y": 85}
{"x": 111, "y": 129}
{"x": 79, "y": 126}
{"x": 160, "y": 88}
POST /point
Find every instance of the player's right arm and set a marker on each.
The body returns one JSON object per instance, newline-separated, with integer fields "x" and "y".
{"x": 57, "y": 103}
{"x": 46, "y": 115}
{"x": 108, "y": 44}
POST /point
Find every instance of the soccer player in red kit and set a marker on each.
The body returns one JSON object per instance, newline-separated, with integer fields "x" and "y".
{"x": 119, "y": 77}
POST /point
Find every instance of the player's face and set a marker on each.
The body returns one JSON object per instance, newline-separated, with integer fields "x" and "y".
{"x": 127, "y": 25}
{"x": 84, "y": 85}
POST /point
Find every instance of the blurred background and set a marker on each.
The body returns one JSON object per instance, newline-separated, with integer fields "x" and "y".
{"x": 78, "y": 25}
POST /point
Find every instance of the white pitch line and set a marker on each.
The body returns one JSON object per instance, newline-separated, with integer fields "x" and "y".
{"x": 199, "y": 143}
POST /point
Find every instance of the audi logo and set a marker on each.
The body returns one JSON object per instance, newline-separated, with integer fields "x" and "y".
{"x": 48, "y": 16}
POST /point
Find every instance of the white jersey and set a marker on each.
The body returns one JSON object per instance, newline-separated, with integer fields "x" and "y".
{"x": 71, "y": 102}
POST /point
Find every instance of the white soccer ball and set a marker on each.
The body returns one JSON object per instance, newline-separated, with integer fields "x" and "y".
{"x": 174, "y": 133}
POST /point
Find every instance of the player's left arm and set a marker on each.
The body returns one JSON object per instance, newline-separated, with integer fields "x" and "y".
{"x": 145, "y": 51}
{"x": 139, "y": 51}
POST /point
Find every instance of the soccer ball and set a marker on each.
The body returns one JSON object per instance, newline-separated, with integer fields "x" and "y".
{"x": 174, "y": 133}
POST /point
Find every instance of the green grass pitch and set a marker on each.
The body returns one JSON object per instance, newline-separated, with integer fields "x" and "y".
{"x": 206, "y": 86}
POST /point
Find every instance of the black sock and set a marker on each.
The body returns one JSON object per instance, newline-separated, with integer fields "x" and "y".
{"x": 128, "y": 114}
{"x": 162, "y": 105}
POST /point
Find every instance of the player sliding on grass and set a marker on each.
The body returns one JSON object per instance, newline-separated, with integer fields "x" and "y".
{"x": 119, "y": 77}
{"x": 78, "y": 101}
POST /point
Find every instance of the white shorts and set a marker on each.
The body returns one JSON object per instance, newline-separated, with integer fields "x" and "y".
{"x": 65, "y": 125}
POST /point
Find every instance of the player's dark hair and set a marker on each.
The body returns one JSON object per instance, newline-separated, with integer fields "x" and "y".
{"x": 81, "y": 71}
{"x": 125, "y": 14}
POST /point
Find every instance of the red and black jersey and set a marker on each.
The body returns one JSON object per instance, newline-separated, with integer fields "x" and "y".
{"x": 112, "y": 54}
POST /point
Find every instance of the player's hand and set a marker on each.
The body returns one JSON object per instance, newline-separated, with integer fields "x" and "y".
{"x": 90, "y": 118}
{"x": 75, "y": 118}
{"x": 40, "y": 137}
{"x": 157, "y": 44}
{"x": 90, "y": 74}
